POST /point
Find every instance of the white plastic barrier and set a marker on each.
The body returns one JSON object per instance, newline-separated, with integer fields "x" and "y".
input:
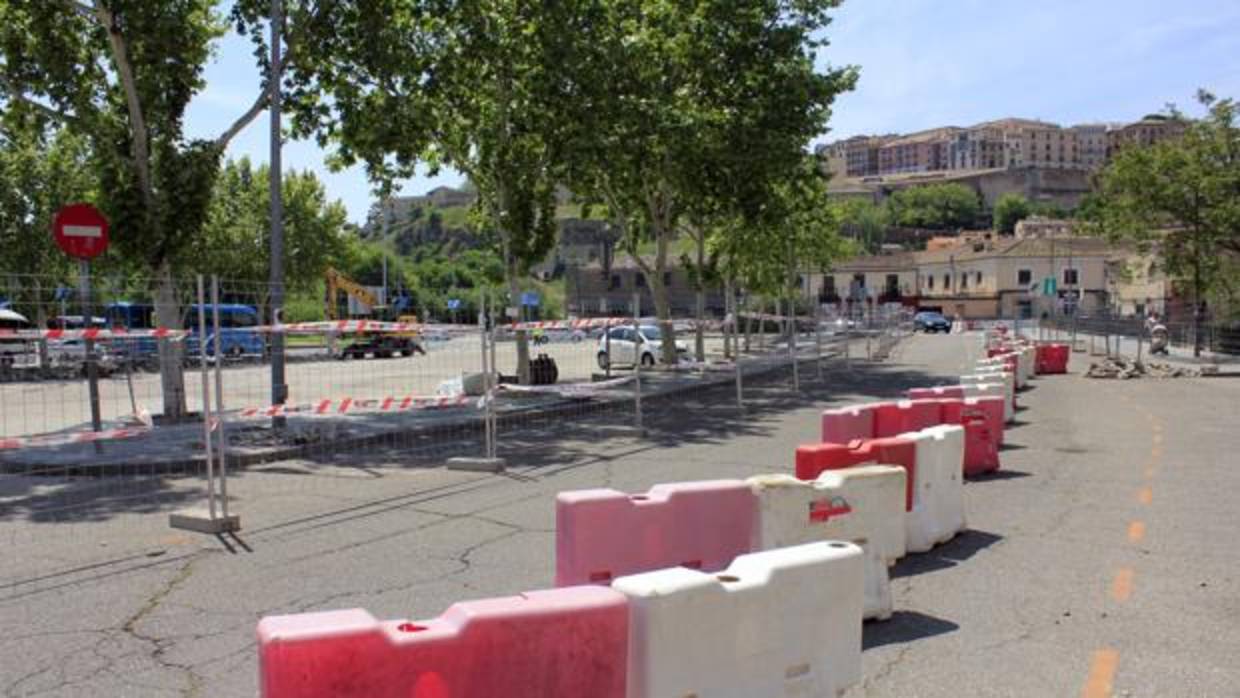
{"x": 998, "y": 390}
{"x": 863, "y": 505}
{"x": 938, "y": 494}
{"x": 784, "y": 622}
{"x": 999, "y": 365}
{"x": 1007, "y": 379}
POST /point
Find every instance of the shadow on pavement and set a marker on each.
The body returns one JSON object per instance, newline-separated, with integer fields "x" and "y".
{"x": 964, "y": 546}
{"x": 997, "y": 475}
{"x": 904, "y": 626}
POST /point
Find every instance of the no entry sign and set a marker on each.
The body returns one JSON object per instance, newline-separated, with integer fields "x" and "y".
{"x": 81, "y": 231}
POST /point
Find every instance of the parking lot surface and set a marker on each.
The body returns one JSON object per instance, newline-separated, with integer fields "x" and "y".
{"x": 1102, "y": 556}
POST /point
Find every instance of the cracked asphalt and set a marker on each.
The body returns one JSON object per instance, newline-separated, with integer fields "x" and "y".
{"x": 1102, "y": 560}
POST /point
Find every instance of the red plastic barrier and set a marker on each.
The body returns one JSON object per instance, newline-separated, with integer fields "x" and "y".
{"x": 603, "y": 534}
{"x": 842, "y": 425}
{"x": 562, "y": 642}
{"x": 1052, "y": 358}
{"x": 982, "y": 419}
{"x": 894, "y": 418}
{"x": 813, "y": 459}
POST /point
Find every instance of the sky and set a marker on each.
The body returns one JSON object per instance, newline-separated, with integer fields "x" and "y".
{"x": 923, "y": 63}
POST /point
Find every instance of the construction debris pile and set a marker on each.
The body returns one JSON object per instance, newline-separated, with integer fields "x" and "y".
{"x": 1124, "y": 368}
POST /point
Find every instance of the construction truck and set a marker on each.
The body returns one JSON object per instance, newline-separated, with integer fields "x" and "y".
{"x": 381, "y": 345}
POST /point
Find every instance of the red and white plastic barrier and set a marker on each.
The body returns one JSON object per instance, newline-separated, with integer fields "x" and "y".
{"x": 933, "y": 459}
{"x": 783, "y": 622}
{"x": 603, "y": 534}
{"x": 1052, "y": 358}
{"x": 983, "y": 434}
{"x": 1006, "y": 379}
{"x": 561, "y": 642}
{"x": 863, "y": 505}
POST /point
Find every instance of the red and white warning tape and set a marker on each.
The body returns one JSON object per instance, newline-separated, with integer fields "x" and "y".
{"x": 568, "y": 389}
{"x": 348, "y": 405}
{"x": 94, "y": 333}
{"x": 77, "y": 437}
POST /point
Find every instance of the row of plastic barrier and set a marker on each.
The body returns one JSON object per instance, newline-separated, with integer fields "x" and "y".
{"x": 782, "y": 622}
{"x": 981, "y": 417}
{"x": 735, "y": 588}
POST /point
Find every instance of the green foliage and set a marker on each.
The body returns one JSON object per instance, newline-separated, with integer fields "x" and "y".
{"x": 124, "y": 92}
{"x": 1179, "y": 199}
{"x": 41, "y": 170}
{"x": 863, "y": 221}
{"x": 235, "y": 240}
{"x": 799, "y": 231}
{"x": 936, "y": 207}
{"x": 1011, "y": 209}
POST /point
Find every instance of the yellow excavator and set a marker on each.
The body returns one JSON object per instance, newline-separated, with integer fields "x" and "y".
{"x": 380, "y": 345}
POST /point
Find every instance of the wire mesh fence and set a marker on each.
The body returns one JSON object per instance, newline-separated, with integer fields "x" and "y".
{"x": 369, "y": 396}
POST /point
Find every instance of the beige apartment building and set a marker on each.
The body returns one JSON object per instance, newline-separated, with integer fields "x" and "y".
{"x": 1147, "y": 131}
{"x": 925, "y": 151}
{"x": 983, "y": 278}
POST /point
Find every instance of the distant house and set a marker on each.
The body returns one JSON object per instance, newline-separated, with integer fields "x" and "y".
{"x": 979, "y": 277}
{"x": 597, "y": 289}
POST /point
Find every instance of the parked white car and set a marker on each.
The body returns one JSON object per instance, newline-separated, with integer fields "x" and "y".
{"x": 624, "y": 346}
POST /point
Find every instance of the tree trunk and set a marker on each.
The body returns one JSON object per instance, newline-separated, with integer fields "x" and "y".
{"x": 171, "y": 373}
{"x": 523, "y": 339}
{"x": 699, "y": 340}
{"x": 1198, "y": 311}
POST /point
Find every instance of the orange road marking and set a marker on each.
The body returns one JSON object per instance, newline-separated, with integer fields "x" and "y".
{"x": 1136, "y": 531}
{"x": 1156, "y": 452}
{"x": 1101, "y": 674}
{"x": 1149, "y": 471}
{"x": 1145, "y": 495}
{"x": 1121, "y": 588}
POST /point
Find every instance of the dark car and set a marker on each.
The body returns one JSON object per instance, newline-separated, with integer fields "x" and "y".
{"x": 931, "y": 322}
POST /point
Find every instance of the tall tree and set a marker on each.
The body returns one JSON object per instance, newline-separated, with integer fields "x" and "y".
{"x": 1180, "y": 199}
{"x": 120, "y": 74}
{"x": 235, "y": 237}
{"x": 936, "y": 206}
{"x": 1010, "y": 209}
{"x": 678, "y": 98}
{"x": 478, "y": 86}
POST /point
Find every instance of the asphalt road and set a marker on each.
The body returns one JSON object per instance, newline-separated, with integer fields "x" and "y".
{"x": 1102, "y": 561}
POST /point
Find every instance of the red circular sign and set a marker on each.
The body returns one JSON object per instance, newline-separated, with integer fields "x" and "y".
{"x": 81, "y": 231}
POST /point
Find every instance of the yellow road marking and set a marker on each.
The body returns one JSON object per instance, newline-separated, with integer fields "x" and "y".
{"x": 1136, "y": 531}
{"x": 1101, "y": 674}
{"x": 1145, "y": 495}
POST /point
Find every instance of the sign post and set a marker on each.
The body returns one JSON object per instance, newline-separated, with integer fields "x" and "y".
{"x": 81, "y": 231}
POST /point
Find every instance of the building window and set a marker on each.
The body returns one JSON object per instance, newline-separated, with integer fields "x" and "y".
{"x": 616, "y": 282}
{"x": 977, "y": 279}
{"x": 930, "y": 281}
{"x": 828, "y": 285}
{"x": 1024, "y": 277}
{"x": 964, "y": 280}
{"x": 947, "y": 282}
{"x": 667, "y": 278}
{"x": 1070, "y": 277}
{"x": 893, "y": 285}
{"x": 641, "y": 280}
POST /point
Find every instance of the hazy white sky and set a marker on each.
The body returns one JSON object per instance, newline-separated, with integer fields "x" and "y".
{"x": 924, "y": 63}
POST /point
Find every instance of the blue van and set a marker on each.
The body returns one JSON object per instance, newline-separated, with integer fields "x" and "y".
{"x": 237, "y": 336}
{"x": 132, "y": 316}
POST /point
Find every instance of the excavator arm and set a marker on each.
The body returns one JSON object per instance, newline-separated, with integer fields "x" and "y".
{"x": 337, "y": 282}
